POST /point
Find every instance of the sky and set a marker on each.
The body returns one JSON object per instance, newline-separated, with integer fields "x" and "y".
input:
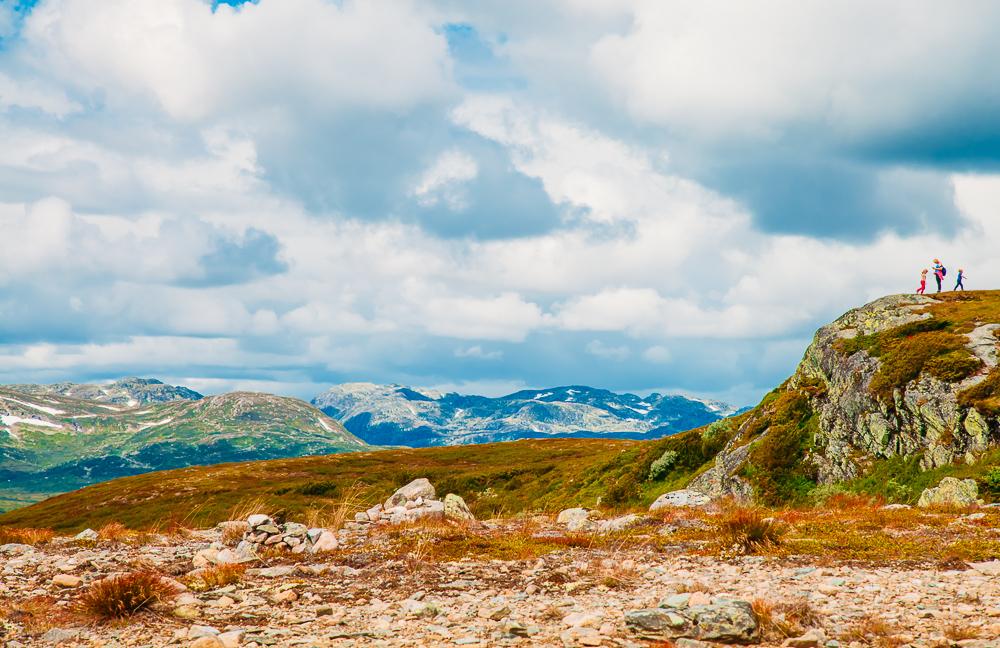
{"x": 639, "y": 195}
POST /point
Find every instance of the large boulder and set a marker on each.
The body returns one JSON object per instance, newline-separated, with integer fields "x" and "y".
{"x": 722, "y": 620}
{"x": 685, "y": 497}
{"x": 950, "y": 492}
{"x": 417, "y": 489}
{"x": 456, "y": 509}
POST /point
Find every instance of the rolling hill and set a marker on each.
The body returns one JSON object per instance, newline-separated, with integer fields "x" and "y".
{"x": 888, "y": 399}
{"x": 397, "y": 415}
{"x": 130, "y": 391}
{"x": 50, "y": 443}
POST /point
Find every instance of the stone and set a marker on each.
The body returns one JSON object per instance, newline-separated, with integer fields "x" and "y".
{"x": 456, "y": 509}
{"x": 327, "y": 541}
{"x": 186, "y": 612}
{"x": 569, "y": 515}
{"x": 493, "y": 612}
{"x": 582, "y": 619}
{"x": 272, "y": 572}
{"x": 375, "y": 512}
{"x": 285, "y": 596}
{"x": 812, "y": 639}
{"x": 205, "y": 642}
{"x": 232, "y": 638}
{"x": 988, "y": 568}
{"x": 729, "y": 621}
{"x": 87, "y": 535}
{"x": 418, "y": 609}
{"x": 296, "y": 530}
{"x": 226, "y": 557}
{"x": 684, "y": 498}
{"x": 66, "y": 580}
{"x": 621, "y": 523}
{"x": 196, "y": 631}
{"x": 269, "y": 529}
{"x": 417, "y": 488}
{"x": 950, "y": 492}
{"x": 361, "y": 516}
{"x": 259, "y": 519}
{"x": 60, "y": 635}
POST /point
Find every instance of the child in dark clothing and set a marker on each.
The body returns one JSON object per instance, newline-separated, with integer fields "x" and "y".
{"x": 958, "y": 284}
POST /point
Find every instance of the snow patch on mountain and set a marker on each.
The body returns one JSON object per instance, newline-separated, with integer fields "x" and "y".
{"x": 400, "y": 415}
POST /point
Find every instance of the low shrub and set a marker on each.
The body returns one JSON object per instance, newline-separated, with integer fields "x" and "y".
{"x": 662, "y": 466}
{"x": 991, "y": 479}
{"x": 29, "y": 536}
{"x": 747, "y": 530}
{"x": 122, "y": 596}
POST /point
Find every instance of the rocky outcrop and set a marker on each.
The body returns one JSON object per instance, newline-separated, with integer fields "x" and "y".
{"x": 683, "y": 498}
{"x": 853, "y": 406}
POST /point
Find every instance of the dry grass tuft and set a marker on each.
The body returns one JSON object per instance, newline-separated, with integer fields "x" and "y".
{"x": 748, "y": 530}
{"x": 779, "y": 621}
{"x": 33, "y": 537}
{"x": 334, "y": 515}
{"x": 35, "y": 615}
{"x": 122, "y": 596}
{"x": 216, "y": 576}
{"x": 873, "y": 631}
{"x": 115, "y": 532}
{"x": 959, "y": 632}
{"x": 250, "y": 506}
{"x": 232, "y": 532}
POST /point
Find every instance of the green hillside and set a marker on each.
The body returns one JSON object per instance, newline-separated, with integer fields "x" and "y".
{"x": 51, "y": 443}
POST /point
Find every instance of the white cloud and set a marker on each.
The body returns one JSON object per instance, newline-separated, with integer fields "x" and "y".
{"x": 195, "y": 62}
{"x": 755, "y": 69}
{"x": 608, "y": 352}
{"x": 443, "y": 180}
{"x": 32, "y": 94}
{"x": 658, "y": 354}
{"x": 477, "y": 352}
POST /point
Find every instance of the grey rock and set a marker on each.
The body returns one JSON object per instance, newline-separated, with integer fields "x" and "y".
{"x": 730, "y": 621}
{"x": 88, "y": 535}
{"x": 684, "y": 497}
{"x": 456, "y": 509}
{"x": 417, "y": 488}
{"x": 60, "y": 635}
{"x": 259, "y": 519}
{"x": 950, "y": 492}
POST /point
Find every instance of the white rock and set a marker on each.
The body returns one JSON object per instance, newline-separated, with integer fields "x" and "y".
{"x": 950, "y": 492}
{"x": 327, "y": 541}
{"x": 684, "y": 497}
{"x": 421, "y": 487}
{"x": 569, "y": 515}
{"x": 86, "y": 534}
{"x": 259, "y": 520}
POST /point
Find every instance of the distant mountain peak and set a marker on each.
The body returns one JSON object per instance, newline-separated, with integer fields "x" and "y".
{"x": 400, "y": 415}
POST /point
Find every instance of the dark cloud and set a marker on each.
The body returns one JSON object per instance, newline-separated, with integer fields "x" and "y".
{"x": 832, "y": 197}
{"x": 233, "y": 261}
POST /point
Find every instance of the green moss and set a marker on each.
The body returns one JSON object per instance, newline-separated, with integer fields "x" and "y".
{"x": 954, "y": 366}
{"x": 985, "y": 396}
{"x": 777, "y": 466}
{"x": 901, "y": 480}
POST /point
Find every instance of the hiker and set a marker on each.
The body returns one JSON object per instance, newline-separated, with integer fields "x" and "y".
{"x": 939, "y": 273}
{"x": 958, "y": 284}
{"x": 923, "y": 282}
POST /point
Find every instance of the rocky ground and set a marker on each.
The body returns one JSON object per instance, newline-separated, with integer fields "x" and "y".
{"x": 662, "y": 578}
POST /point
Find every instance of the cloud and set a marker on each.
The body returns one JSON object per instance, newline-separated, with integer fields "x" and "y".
{"x": 442, "y": 181}
{"x": 195, "y": 62}
{"x": 602, "y": 350}
{"x": 657, "y": 354}
{"x": 477, "y": 352}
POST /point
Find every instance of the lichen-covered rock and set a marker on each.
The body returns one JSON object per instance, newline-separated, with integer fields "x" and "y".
{"x": 685, "y": 497}
{"x": 950, "y": 492}
{"x": 728, "y": 621}
{"x": 456, "y": 509}
{"x": 418, "y": 488}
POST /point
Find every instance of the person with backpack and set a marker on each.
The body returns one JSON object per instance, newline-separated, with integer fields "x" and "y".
{"x": 939, "y": 272}
{"x": 923, "y": 282}
{"x": 958, "y": 283}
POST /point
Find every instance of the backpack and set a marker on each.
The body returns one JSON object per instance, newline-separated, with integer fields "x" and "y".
{"x": 944, "y": 271}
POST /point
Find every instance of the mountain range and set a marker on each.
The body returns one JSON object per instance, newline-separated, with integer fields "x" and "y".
{"x": 398, "y": 415}
{"x": 51, "y": 443}
{"x": 888, "y": 400}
